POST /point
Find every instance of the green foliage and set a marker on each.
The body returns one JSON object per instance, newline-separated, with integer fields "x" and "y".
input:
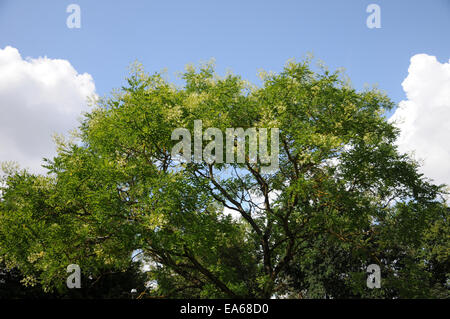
{"x": 343, "y": 198}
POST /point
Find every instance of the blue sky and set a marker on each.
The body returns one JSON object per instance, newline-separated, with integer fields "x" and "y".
{"x": 243, "y": 36}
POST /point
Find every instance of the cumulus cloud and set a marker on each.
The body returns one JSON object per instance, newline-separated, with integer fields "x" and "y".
{"x": 38, "y": 97}
{"x": 424, "y": 118}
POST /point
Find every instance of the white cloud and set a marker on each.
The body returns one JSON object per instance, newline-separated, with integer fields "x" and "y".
{"x": 424, "y": 118}
{"x": 38, "y": 97}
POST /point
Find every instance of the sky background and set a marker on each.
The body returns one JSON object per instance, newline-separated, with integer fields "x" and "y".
{"x": 242, "y": 36}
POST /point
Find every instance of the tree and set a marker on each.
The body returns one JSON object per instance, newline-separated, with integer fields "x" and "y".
{"x": 111, "y": 283}
{"x": 342, "y": 198}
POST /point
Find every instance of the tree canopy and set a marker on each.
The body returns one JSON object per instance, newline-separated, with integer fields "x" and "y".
{"x": 343, "y": 197}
